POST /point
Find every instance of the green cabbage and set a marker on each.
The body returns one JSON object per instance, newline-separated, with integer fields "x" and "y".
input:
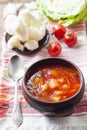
{"x": 66, "y": 12}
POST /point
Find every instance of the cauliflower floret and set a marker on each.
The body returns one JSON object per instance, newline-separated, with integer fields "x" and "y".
{"x": 10, "y": 24}
{"x": 31, "y": 45}
{"x": 27, "y": 18}
{"x": 14, "y": 42}
{"x": 37, "y": 33}
{"x": 32, "y": 18}
{"x": 21, "y": 31}
{"x": 39, "y": 16}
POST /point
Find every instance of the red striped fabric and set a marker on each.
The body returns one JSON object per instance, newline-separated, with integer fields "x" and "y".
{"x": 77, "y": 55}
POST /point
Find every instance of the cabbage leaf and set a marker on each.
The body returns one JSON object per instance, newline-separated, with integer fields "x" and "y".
{"x": 66, "y": 12}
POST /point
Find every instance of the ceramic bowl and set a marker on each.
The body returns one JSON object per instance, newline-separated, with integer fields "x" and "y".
{"x": 61, "y": 108}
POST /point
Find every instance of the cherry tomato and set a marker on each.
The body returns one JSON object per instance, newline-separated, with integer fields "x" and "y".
{"x": 70, "y": 38}
{"x": 59, "y": 31}
{"x": 54, "y": 48}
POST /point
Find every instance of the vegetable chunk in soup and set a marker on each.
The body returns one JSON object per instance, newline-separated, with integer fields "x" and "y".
{"x": 54, "y": 83}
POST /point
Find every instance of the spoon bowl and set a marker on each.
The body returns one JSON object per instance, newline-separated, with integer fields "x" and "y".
{"x": 15, "y": 68}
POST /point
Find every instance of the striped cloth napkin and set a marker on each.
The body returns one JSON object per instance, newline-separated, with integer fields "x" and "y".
{"x": 32, "y": 119}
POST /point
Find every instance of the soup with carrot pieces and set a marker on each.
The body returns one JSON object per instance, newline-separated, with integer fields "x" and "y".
{"x": 54, "y": 83}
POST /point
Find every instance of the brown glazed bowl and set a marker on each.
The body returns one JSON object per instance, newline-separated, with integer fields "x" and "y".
{"x": 61, "y": 108}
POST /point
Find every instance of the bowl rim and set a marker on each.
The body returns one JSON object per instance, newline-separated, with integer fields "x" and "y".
{"x": 82, "y": 81}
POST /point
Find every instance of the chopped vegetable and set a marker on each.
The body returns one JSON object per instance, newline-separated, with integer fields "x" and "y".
{"x": 14, "y": 42}
{"x": 31, "y": 44}
{"x": 54, "y": 73}
{"x": 53, "y": 83}
{"x": 37, "y": 80}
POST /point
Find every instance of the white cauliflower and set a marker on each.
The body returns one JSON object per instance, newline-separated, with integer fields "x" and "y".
{"x": 21, "y": 31}
{"x": 37, "y": 33}
{"x": 40, "y": 16}
{"x": 14, "y": 42}
{"x": 27, "y": 18}
{"x": 10, "y": 24}
{"x": 31, "y": 45}
{"x": 28, "y": 27}
{"x": 35, "y": 22}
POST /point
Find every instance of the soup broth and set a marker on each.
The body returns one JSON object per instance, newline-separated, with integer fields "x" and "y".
{"x": 54, "y": 83}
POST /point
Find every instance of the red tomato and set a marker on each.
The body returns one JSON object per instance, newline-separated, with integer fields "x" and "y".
{"x": 59, "y": 31}
{"x": 70, "y": 38}
{"x": 54, "y": 48}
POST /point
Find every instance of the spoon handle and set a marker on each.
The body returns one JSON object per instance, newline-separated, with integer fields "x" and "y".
{"x": 17, "y": 115}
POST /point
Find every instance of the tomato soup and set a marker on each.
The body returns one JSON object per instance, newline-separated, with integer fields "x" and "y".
{"x": 54, "y": 83}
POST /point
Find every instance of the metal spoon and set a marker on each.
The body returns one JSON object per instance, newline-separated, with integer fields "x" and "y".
{"x": 15, "y": 72}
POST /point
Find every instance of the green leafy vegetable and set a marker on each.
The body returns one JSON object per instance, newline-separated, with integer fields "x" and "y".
{"x": 66, "y": 12}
